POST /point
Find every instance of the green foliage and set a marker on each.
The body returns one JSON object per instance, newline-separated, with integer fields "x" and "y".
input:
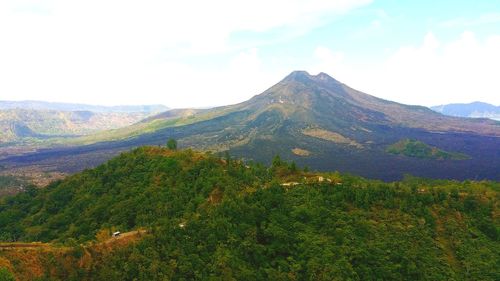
{"x": 172, "y": 144}
{"x": 240, "y": 223}
{"x": 6, "y": 275}
{"x": 277, "y": 162}
{"x": 418, "y": 149}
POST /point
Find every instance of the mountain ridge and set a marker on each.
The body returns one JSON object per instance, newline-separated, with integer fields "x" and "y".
{"x": 19, "y": 126}
{"x": 475, "y": 109}
{"x": 61, "y": 106}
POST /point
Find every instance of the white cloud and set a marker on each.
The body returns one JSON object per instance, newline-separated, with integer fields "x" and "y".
{"x": 435, "y": 72}
{"x": 123, "y": 51}
{"x": 328, "y": 60}
{"x": 488, "y": 18}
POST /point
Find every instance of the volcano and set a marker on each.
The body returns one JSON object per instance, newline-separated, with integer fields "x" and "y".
{"x": 315, "y": 121}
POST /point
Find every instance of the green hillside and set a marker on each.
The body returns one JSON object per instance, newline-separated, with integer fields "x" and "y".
{"x": 418, "y": 149}
{"x": 212, "y": 218}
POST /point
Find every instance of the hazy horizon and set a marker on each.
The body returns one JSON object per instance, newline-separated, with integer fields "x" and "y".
{"x": 199, "y": 107}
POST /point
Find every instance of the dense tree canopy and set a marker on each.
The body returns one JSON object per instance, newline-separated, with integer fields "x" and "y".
{"x": 222, "y": 219}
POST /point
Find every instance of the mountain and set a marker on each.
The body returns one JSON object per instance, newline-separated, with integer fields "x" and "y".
{"x": 42, "y": 105}
{"x": 314, "y": 120}
{"x": 474, "y": 110}
{"x": 186, "y": 215}
{"x": 30, "y": 125}
{"x": 32, "y": 121}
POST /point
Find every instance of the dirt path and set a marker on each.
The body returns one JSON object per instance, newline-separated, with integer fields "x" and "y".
{"x": 124, "y": 237}
{"x": 23, "y": 245}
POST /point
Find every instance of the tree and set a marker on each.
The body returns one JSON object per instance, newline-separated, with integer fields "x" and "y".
{"x": 227, "y": 157}
{"x": 103, "y": 235}
{"x": 172, "y": 144}
{"x": 277, "y": 161}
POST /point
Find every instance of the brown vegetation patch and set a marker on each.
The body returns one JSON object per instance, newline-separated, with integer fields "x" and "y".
{"x": 25, "y": 264}
{"x": 29, "y": 261}
{"x": 215, "y": 196}
{"x": 5, "y": 263}
{"x": 330, "y": 136}
{"x": 32, "y": 245}
{"x": 35, "y": 175}
{"x": 444, "y": 241}
{"x": 301, "y": 152}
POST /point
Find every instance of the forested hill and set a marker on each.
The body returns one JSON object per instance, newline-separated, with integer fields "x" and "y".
{"x": 212, "y": 218}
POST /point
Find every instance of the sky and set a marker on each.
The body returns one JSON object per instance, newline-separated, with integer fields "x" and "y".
{"x": 208, "y": 53}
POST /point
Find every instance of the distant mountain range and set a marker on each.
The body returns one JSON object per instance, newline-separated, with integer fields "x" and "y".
{"x": 42, "y": 105}
{"x": 474, "y": 110}
{"x": 313, "y": 120}
{"x": 30, "y": 125}
{"x": 28, "y": 122}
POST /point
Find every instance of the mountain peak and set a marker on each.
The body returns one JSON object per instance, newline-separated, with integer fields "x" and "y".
{"x": 324, "y": 77}
{"x": 298, "y": 75}
{"x": 304, "y": 76}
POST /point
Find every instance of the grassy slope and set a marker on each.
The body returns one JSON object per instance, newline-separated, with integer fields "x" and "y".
{"x": 148, "y": 126}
